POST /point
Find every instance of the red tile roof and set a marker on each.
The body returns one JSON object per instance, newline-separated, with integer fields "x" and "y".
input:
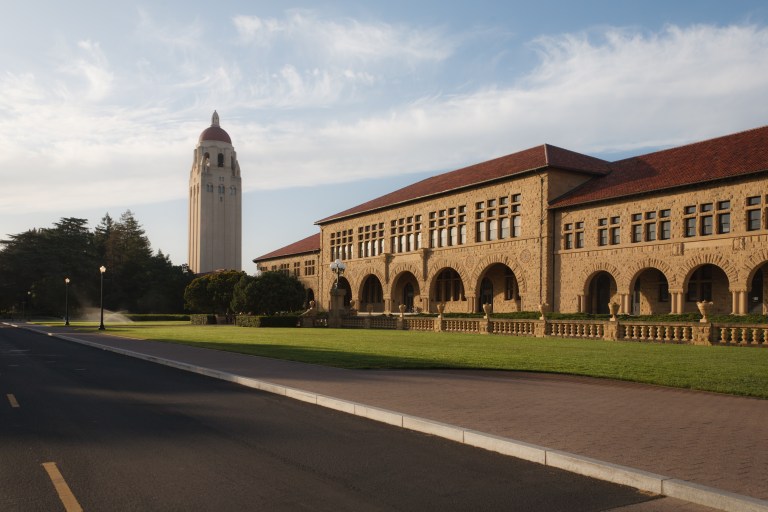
{"x": 306, "y": 245}
{"x": 524, "y": 161}
{"x": 724, "y": 157}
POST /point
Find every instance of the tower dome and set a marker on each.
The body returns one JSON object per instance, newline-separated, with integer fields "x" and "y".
{"x": 215, "y": 132}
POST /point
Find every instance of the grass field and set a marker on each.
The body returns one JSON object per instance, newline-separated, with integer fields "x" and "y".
{"x": 734, "y": 370}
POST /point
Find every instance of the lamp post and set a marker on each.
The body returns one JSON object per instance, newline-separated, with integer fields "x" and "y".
{"x": 102, "y": 269}
{"x": 29, "y": 303}
{"x": 66, "y": 301}
{"x": 338, "y": 267}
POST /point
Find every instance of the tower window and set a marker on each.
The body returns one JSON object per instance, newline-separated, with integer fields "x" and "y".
{"x": 221, "y": 159}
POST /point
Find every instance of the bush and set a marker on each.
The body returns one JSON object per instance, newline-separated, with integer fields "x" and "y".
{"x": 203, "y": 319}
{"x": 159, "y": 318}
{"x": 267, "y": 321}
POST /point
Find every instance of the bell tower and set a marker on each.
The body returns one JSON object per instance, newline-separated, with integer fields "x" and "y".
{"x": 215, "y": 204}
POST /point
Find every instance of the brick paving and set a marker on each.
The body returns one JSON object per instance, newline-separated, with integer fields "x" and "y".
{"x": 715, "y": 440}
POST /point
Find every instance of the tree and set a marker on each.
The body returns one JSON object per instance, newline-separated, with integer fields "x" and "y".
{"x": 212, "y": 293}
{"x": 268, "y": 293}
{"x": 34, "y": 264}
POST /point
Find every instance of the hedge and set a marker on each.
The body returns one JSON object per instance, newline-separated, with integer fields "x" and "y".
{"x": 159, "y": 318}
{"x": 202, "y": 319}
{"x": 267, "y": 321}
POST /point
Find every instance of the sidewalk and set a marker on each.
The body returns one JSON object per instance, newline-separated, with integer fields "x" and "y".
{"x": 718, "y": 441}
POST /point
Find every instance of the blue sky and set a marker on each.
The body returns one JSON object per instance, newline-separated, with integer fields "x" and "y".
{"x": 332, "y": 103}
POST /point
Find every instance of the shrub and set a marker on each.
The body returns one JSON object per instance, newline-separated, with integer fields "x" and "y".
{"x": 267, "y": 321}
{"x": 202, "y": 319}
{"x": 159, "y": 318}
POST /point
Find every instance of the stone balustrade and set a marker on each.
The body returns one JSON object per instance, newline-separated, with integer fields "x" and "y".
{"x": 740, "y": 334}
{"x": 622, "y": 330}
{"x": 659, "y": 333}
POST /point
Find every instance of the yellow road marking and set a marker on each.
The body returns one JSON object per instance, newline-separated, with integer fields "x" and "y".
{"x": 65, "y": 494}
{"x": 12, "y": 399}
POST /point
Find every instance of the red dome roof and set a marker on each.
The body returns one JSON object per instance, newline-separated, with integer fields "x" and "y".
{"x": 215, "y": 133}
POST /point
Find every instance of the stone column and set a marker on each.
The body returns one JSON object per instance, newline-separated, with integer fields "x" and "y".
{"x": 626, "y": 304}
{"x": 471, "y": 301}
{"x": 387, "y": 305}
{"x": 581, "y": 305}
{"x": 337, "y": 307}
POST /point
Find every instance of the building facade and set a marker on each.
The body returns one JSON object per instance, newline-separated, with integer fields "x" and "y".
{"x": 215, "y": 204}
{"x": 654, "y": 233}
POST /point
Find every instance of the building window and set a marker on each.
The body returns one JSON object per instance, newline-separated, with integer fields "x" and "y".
{"x": 497, "y": 218}
{"x": 405, "y": 234}
{"x": 221, "y": 160}
{"x": 573, "y": 235}
{"x": 510, "y": 286}
{"x": 297, "y": 268}
{"x": 602, "y": 232}
{"x": 285, "y": 268}
{"x": 309, "y": 267}
{"x": 370, "y": 240}
{"x": 341, "y": 245}
{"x": 700, "y": 285}
{"x": 754, "y": 213}
{"x": 448, "y": 286}
{"x": 579, "y": 235}
{"x": 444, "y": 227}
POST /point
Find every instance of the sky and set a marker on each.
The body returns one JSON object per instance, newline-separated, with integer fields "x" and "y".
{"x": 330, "y": 104}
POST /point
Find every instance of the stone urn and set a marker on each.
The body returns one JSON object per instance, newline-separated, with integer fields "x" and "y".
{"x": 401, "y": 307}
{"x": 487, "y": 310}
{"x": 613, "y": 309}
{"x": 543, "y": 307}
{"x": 705, "y": 308}
{"x": 440, "y": 309}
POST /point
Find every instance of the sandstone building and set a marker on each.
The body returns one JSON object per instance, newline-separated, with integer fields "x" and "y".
{"x": 654, "y": 233}
{"x": 215, "y": 208}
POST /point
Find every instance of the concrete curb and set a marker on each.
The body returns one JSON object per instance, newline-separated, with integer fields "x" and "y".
{"x": 643, "y": 480}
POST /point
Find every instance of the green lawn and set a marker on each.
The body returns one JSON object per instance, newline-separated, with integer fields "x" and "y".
{"x": 735, "y": 370}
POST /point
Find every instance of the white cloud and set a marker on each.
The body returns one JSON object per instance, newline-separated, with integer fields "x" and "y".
{"x": 598, "y": 92}
{"x": 350, "y": 39}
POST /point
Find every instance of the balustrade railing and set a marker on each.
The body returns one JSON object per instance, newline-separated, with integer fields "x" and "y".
{"x": 419, "y": 324}
{"x": 513, "y": 327}
{"x": 655, "y": 332}
{"x": 737, "y": 334}
{"x": 575, "y": 329}
{"x": 625, "y": 330}
{"x": 383, "y": 322}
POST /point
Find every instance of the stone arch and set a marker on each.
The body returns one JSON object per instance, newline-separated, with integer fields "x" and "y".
{"x": 753, "y": 264}
{"x": 401, "y": 285}
{"x": 480, "y": 267}
{"x": 586, "y": 276}
{"x": 371, "y": 293}
{"x": 691, "y": 264}
{"x": 435, "y": 267}
{"x": 634, "y": 271}
{"x": 398, "y": 269}
{"x": 361, "y": 274}
{"x": 454, "y": 287}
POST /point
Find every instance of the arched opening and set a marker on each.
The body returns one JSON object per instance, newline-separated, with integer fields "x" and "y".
{"x": 372, "y": 295}
{"x": 498, "y": 287}
{"x": 310, "y": 296}
{"x": 448, "y": 288}
{"x": 486, "y": 293}
{"x": 757, "y": 300}
{"x": 344, "y": 285}
{"x": 708, "y": 283}
{"x": 650, "y": 293}
{"x": 408, "y": 295}
{"x": 221, "y": 160}
{"x": 602, "y": 288}
{"x": 405, "y": 290}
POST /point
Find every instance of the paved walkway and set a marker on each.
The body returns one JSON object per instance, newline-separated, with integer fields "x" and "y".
{"x": 714, "y": 440}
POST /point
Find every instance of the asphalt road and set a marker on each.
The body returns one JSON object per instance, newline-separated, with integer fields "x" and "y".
{"x": 130, "y": 435}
